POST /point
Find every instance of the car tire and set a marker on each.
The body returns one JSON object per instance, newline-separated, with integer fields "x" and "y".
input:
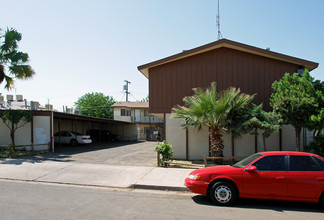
{"x": 73, "y": 142}
{"x": 223, "y": 193}
{"x": 321, "y": 200}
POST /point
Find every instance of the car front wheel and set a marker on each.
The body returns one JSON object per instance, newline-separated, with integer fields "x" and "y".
{"x": 223, "y": 193}
{"x": 73, "y": 142}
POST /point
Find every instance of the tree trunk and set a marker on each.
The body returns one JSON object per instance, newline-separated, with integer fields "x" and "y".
{"x": 12, "y": 135}
{"x": 264, "y": 142}
{"x": 216, "y": 142}
{"x": 298, "y": 130}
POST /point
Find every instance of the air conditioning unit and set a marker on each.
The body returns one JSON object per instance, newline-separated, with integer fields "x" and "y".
{"x": 10, "y": 98}
{"x": 34, "y": 105}
{"x": 77, "y": 112}
{"x": 49, "y": 107}
{"x": 69, "y": 110}
{"x": 19, "y": 98}
{"x": 1, "y": 99}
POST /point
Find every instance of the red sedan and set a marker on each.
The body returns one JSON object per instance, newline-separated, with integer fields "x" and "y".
{"x": 293, "y": 176}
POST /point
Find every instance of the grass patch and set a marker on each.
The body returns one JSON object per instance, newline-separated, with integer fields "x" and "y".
{"x": 4, "y": 153}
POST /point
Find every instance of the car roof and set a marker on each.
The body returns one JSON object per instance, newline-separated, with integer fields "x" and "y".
{"x": 287, "y": 153}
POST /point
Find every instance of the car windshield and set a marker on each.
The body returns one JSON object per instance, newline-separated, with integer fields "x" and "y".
{"x": 76, "y": 133}
{"x": 246, "y": 161}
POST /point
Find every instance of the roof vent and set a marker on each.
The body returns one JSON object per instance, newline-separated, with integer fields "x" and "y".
{"x": 268, "y": 48}
{"x": 19, "y": 98}
{"x": 10, "y": 98}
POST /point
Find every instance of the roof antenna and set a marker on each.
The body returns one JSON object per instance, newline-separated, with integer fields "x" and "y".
{"x": 219, "y": 36}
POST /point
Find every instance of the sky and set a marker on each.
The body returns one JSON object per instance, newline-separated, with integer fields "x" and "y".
{"x": 83, "y": 46}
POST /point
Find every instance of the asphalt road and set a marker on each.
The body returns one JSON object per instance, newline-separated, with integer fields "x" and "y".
{"x": 136, "y": 153}
{"x": 24, "y": 200}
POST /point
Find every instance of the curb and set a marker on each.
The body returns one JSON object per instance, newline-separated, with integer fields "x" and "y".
{"x": 165, "y": 188}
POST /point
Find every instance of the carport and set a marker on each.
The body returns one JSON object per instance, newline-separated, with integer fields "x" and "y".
{"x": 84, "y": 124}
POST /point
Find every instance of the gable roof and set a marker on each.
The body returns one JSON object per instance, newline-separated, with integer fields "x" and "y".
{"x": 139, "y": 105}
{"x": 144, "y": 69}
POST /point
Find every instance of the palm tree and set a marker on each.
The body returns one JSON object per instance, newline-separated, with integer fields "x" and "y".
{"x": 214, "y": 110}
{"x": 11, "y": 60}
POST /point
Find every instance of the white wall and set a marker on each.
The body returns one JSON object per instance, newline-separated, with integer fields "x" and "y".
{"x": 243, "y": 146}
{"x": 42, "y": 132}
{"x": 198, "y": 143}
{"x": 176, "y": 136}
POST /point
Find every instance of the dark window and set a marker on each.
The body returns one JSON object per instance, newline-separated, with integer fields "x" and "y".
{"x": 320, "y": 162}
{"x": 125, "y": 112}
{"x": 303, "y": 163}
{"x": 271, "y": 163}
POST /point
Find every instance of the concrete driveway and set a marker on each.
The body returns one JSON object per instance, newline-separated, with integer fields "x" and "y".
{"x": 120, "y": 153}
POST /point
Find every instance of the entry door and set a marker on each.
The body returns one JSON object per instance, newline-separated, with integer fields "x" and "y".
{"x": 270, "y": 180}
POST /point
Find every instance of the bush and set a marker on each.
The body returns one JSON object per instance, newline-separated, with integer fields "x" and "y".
{"x": 165, "y": 150}
{"x": 317, "y": 146}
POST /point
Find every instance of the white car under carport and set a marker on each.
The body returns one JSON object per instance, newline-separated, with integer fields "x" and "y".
{"x": 72, "y": 138}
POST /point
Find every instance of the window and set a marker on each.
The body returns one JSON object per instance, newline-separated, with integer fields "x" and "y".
{"x": 246, "y": 161}
{"x": 320, "y": 162}
{"x": 271, "y": 163}
{"x": 303, "y": 163}
{"x": 125, "y": 112}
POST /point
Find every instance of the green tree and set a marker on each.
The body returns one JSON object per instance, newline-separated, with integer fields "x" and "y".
{"x": 212, "y": 109}
{"x": 15, "y": 119}
{"x": 96, "y": 105}
{"x": 261, "y": 120}
{"x": 296, "y": 101}
{"x": 13, "y": 63}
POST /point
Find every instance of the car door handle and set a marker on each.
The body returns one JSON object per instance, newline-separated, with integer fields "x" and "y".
{"x": 280, "y": 178}
{"x": 320, "y": 178}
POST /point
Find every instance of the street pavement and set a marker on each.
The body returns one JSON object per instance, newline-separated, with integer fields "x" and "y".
{"x": 102, "y": 175}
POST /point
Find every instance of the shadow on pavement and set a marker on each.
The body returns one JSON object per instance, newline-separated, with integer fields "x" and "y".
{"x": 279, "y": 206}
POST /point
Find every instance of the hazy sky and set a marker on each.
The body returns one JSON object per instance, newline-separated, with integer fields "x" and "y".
{"x": 79, "y": 46}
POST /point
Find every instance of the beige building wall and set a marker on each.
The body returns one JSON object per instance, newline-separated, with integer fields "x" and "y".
{"x": 118, "y": 117}
{"x": 176, "y": 136}
{"x": 227, "y": 145}
{"x": 21, "y": 135}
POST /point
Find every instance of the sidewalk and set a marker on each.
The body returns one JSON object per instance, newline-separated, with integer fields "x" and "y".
{"x": 87, "y": 174}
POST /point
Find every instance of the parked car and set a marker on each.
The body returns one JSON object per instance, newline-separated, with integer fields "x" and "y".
{"x": 103, "y": 135}
{"x": 72, "y": 138}
{"x": 293, "y": 176}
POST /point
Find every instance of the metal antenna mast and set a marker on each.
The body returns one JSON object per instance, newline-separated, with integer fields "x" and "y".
{"x": 219, "y": 36}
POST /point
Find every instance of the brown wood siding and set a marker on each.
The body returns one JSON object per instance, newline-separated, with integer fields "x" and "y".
{"x": 171, "y": 82}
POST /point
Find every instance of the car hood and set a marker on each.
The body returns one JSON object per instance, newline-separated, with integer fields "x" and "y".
{"x": 216, "y": 169}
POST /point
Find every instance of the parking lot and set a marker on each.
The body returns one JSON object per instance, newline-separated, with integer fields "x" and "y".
{"x": 135, "y": 153}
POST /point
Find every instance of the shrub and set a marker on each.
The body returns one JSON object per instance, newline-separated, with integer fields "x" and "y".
{"x": 165, "y": 149}
{"x": 317, "y": 146}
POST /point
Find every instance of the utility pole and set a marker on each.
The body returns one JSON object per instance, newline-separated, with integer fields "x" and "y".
{"x": 126, "y": 88}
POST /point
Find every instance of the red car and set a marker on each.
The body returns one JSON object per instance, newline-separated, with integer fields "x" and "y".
{"x": 293, "y": 176}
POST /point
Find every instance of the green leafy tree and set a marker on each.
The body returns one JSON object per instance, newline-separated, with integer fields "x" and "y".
{"x": 96, "y": 105}
{"x": 296, "y": 101}
{"x": 316, "y": 121}
{"x": 13, "y": 63}
{"x": 212, "y": 109}
{"x": 15, "y": 119}
{"x": 165, "y": 149}
{"x": 261, "y": 120}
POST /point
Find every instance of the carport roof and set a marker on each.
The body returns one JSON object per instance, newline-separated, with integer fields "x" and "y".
{"x": 86, "y": 118}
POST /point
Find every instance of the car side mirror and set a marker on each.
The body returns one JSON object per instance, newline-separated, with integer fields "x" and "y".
{"x": 251, "y": 169}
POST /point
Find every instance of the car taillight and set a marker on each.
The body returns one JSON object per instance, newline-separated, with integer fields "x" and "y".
{"x": 85, "y": 138}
